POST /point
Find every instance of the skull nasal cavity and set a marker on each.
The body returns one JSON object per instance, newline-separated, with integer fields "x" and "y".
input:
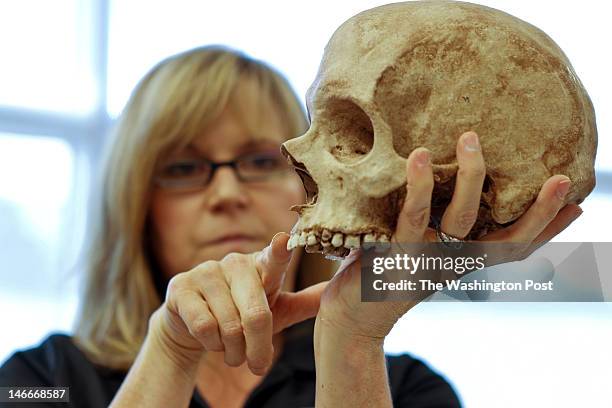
{"x": 351, "y": 135}
{"x": 311, "y": 188}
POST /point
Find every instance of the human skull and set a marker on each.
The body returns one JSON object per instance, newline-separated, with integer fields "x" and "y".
{"x": 413, "y": 74}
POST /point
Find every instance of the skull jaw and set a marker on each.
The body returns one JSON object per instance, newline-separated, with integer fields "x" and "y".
{"x": 338, "y": 221}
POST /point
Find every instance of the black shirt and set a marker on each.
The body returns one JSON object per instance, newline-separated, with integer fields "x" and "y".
{"x": 290, "y": 383}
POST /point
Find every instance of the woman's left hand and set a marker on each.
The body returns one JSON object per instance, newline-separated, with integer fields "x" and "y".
{"x": 341, "y": 308}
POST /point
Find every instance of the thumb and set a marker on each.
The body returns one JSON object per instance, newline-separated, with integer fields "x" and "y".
{"x": 293, "y": 307}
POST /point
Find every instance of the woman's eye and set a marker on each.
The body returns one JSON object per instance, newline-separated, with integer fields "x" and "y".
{"x": 265, "y": 162}
{"x": 182, "y": 169}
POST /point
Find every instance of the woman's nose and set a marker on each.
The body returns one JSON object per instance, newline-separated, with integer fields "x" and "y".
{"x": 225, "y": 190}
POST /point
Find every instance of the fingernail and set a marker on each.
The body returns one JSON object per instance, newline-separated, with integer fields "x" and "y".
{"x": 470, "y": 142}
{"x": 563, "y": 188}
{"x": 423, "y": 158}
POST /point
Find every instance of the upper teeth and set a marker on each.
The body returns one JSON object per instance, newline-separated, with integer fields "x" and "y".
{"x": 332, "y": 241}
{"x": 326, "y": 235}
{"x": 338, "y": 239}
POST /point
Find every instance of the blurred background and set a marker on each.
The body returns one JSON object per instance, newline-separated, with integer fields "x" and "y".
{"x": 68, "y": 67}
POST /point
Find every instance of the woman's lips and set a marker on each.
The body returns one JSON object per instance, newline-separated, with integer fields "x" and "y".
{"x": 232, "y": 240}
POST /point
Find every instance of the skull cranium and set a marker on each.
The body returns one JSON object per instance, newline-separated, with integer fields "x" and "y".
{"x": 413, "y": 74}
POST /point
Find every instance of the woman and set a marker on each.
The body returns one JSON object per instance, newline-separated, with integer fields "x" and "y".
{"x": 192, "y": 298}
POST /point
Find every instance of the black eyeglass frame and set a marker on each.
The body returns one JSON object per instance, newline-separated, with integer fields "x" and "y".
{"x": 214, "y": 166}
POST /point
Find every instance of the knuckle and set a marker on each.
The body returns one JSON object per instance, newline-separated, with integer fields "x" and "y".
{"x": 206, "y": 272}
{"x": 466, "y": 219}
{"x": 231, "y": 330}
{"x": 208, "y": 268}
{"x": 204, "y": 327}
{"x": 257, "y": 318}
{"x": 416, "y": 219}
{"x": 157, "y": 315}
{"x": 234, "y": 258}
{"x": 176, "y": 285}
{"x": 176, "y": 282}
{"x": 416, "y": 185}
{"x": 472, "y": 172}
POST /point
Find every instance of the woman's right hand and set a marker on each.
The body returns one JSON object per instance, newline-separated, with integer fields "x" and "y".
{"x": 234, "y": 305}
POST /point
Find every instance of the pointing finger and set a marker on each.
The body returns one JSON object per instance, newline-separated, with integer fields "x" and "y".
{"x": 272, "y": 263}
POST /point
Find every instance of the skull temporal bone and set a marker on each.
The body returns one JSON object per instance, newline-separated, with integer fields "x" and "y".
{"x": 413, "y": 74}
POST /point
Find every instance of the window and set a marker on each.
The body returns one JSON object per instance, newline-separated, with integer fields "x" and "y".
{"x": 38, "y": 236}
{"x": 46, "y": 62}
{"x": 50, "y": 132}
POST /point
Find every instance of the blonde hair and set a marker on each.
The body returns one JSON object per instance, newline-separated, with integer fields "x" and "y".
{"x": 168, "y": 109}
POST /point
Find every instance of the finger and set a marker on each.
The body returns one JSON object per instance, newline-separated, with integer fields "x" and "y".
{"x": 217, "y": 294}
{"x": 545, "y": 208}
{"x": 272, "y": 262}
{"x": 255, "y": 315}
{"x": 462, "y": 212}
{"x": 564, "y": 218}
{"x": 413, "y": 218}
{"x": 200, "y": 322}
{"x": 294, "y": 307}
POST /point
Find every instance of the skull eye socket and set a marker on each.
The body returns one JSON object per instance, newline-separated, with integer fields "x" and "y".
{"x": 349, "y": 129}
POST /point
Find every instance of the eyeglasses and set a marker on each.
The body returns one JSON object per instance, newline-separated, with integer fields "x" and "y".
{"x": 189, "y": 173}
